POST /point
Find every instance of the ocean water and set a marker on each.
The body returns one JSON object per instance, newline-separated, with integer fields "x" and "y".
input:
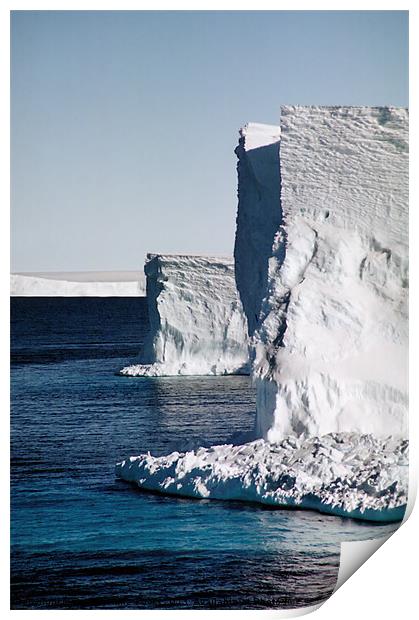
{"x": 82, "y": 539}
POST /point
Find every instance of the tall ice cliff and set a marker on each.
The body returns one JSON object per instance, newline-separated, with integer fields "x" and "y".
{"x": 322, "y": 269}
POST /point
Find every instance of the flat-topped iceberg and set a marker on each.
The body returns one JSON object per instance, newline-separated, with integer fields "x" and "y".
{"x": 197, "y": 325}
{"x": 345, "y": 474}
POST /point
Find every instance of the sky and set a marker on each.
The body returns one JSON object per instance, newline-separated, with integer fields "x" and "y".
{"x": 124, "y": 124}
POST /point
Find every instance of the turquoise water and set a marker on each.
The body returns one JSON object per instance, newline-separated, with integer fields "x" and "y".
{"x": 83, "y": 539}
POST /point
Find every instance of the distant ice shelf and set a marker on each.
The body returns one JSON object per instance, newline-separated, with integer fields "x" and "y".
{"x": 78, "y": 284}
{"x": 344, "y": 474}
{"x": 197, "y": 325}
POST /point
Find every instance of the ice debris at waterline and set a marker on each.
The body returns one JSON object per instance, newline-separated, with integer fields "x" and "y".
{"x": 343, "y": 474}
{"x": 197, "y": 324}
{"x": 322, "y": 269}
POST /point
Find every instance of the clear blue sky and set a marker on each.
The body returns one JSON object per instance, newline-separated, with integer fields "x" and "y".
{"x": 124, "y": 123}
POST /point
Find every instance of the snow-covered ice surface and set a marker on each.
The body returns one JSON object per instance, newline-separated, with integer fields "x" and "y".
{"x": 330, "y": 338}
{"x": 197, "y": 324}
{"x": 78, "y": 284}
{"x": 345, "y": 474}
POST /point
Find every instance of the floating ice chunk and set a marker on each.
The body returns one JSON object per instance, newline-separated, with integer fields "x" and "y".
{"x": 344, "y": 474}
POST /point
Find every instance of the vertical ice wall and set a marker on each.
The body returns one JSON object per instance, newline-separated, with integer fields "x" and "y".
{"x": 258, "y": 214}
{"x": 330, "y": 342}
{"x": 197, "y": 324}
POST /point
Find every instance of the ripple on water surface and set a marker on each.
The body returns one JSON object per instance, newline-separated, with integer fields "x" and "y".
{"x": 80, "y": 538}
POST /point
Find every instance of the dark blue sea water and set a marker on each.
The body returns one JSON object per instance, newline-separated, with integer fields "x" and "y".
{"x": 82, "y": 539}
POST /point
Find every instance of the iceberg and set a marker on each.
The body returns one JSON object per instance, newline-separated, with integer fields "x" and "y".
{"x": 321, "y": 266}
{"x": 78, "y": 284}
{"x": 197, "y": 324}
